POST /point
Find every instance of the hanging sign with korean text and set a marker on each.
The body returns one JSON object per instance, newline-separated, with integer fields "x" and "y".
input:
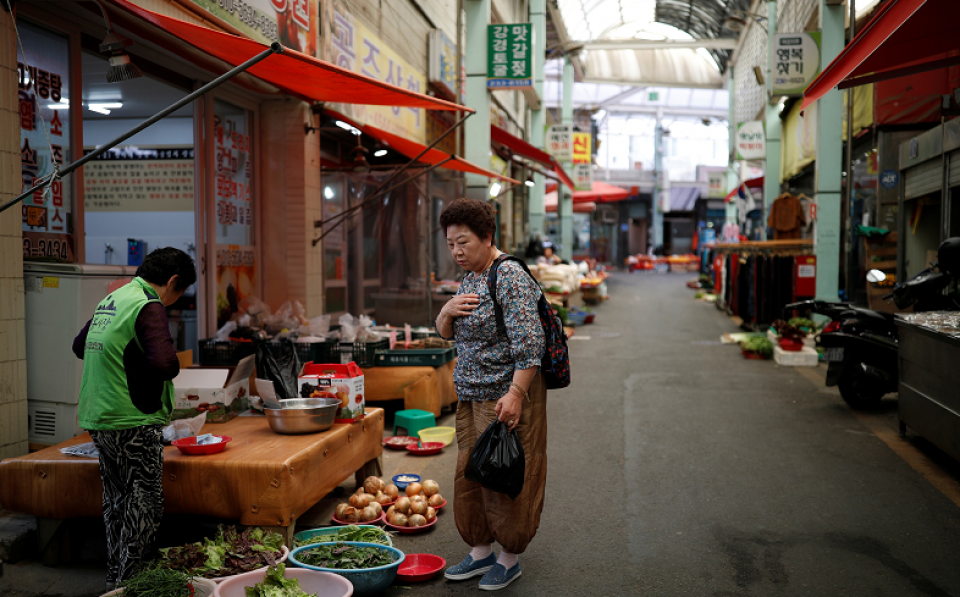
{"x": 510, "y": 56}
{"x": 443, "y": 63}
{"x": 560, "y": 142}
{"x": 582, "y": 177}
{"x": 796, "y": 62}
{"x": 751, "y": 141}
{"x": 293, "y": 23}
{"x": 582, "y": 152}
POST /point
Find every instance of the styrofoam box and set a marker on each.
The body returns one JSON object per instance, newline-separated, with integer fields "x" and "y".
{"x": 803, "y": 358}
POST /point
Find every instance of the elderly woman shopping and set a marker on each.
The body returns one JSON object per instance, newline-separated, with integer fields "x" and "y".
{"x": 497, "y": 377}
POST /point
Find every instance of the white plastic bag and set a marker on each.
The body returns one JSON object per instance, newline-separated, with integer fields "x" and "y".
{"x": 319, "y": 326}
{"x": 85, "y": 450}
{"x": 223, "y": 334}
{"x": 348, "y": 328}
{"x": 182, "y": 428}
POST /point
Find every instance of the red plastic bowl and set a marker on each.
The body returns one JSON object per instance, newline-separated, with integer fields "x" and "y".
{"x": 437, "y": 508}
{"x": 383, "y": 517}
{"x": 188, "y": 445}
{"x": 399, "y": 442}
{"x": 407, "y": 530}
{"x": 791, "y": 345}
{"x": 427, "y": 449}
{"x": 418, "y": 567}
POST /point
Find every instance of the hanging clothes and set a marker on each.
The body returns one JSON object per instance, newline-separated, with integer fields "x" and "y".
{"x": 786, "y": 217}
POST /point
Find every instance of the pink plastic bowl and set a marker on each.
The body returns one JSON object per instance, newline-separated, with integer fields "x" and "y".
{"x": 323, "y": 584}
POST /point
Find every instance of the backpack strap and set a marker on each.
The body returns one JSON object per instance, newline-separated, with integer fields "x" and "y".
{"x": 492, "y": 287}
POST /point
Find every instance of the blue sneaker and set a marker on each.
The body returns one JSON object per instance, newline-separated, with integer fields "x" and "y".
{"x": 468, "y": 568}
{"x": 499, "y": 577}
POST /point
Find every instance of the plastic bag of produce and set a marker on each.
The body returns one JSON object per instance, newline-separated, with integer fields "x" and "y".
{"x": 279, "y": 363}
{"x": 497, "y": 461}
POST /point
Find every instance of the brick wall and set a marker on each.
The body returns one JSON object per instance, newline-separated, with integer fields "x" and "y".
{"x": 13, "y": 364}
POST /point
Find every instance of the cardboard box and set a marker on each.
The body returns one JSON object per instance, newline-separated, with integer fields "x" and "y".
{"x": 215, "y": 391}
{"x": 344, "y": 382}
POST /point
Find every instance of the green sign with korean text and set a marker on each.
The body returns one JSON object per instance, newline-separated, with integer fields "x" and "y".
{"x": 510, "y": 56}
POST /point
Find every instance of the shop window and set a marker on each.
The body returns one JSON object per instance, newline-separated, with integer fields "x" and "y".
{"x": 43, "y": 84}
{"x": 336, "y": 299}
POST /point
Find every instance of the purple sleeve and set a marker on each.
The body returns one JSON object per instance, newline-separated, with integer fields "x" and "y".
{"x": 153, "y": 333}
{"x": 81, "y": 340}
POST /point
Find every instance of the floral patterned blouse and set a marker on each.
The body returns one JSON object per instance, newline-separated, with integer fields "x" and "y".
{"x": 487, "y": 359}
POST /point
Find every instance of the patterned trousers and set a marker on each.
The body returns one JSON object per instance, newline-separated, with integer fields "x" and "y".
{"x": 131, "y": 469}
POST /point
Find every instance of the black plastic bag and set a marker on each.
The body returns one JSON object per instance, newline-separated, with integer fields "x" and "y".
{"x": 278, "y": 362}
{"x": 497, "y": 461}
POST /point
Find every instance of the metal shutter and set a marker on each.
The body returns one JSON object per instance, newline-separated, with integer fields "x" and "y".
{"x": 954, "y": 169}
{"x": 924, "y": 179}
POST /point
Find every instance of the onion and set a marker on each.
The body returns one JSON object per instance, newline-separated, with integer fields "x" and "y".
{"x": 431, "y": 514}
{"x": 403, "y": 505}
{"x": 368, "y": 514}
{"x": 351, "y": 514}
{"x": 383, "y": 499}
{"x": 372, "y": 485}
{"x": 359, "y": 500}
{"x": 435, "y": 500}
{"x": 400, "y": 520}
{"x": 370, "y": 497}
{"x": 430, "y": 487}
{"x": 417, "y": 520}
{"x": 414, "y": 488}
{"x": 392, "y": 491}
{"x": 339, "y": 511}
{"x": 391, "y": 511}
{"x": 418, "y": 506}
{"x": 376, "y": 506}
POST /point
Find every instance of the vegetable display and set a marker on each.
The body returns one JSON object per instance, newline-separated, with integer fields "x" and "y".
{"x": 788, "y": 331}
{"x": 158, "y": 582}
{"x": 418, "y": 506}
{"x": 759, "y": 345}
{"x": 275, "y": 584}
{"x": 349, "y": 533}
{"x": 341, "y": 556}
{"x": 366, "y": 505}
{"x": 803, "y": 323}
{"x": 230, "y": 552}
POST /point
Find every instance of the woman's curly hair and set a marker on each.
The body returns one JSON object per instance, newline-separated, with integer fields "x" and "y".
{"x": 478, "y": 216}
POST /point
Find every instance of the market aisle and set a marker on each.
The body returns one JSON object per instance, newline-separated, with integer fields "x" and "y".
{"x": 679, "y": 468}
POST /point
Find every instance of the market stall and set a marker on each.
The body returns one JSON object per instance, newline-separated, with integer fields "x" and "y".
{"x": 261, "y": 478}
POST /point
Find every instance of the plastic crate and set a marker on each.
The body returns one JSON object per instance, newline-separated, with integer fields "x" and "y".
{"x": 219, "y": 353}
{"x": 424, "y": 357}
{"x": 364, "y": 354}
{"x": 423, "y": 335}
{"x": 317, "y": 352}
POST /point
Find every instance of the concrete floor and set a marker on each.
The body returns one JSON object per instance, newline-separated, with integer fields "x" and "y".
{"x": 679, "y": 468}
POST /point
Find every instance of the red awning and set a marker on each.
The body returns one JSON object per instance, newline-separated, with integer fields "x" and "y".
{"x": 412, "y": 149}
{"x": 753, "y": 183}
{"x": 520, "y": 147}
{"x": 601, "y": 192}
{"x": 550, "y": 204}
{"x": 293, "y": 72}
{"x": 905, "y": 37}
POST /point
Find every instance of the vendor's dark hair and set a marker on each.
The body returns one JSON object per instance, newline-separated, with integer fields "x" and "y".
{"x": 161, "y": 265}
{"x": 476, "y": 215}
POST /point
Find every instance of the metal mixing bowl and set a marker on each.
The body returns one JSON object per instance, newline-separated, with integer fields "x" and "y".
{"x": 302, "y": 415}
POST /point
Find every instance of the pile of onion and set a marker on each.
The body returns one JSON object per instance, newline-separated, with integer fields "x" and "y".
{"x": 366, "y": 505}
{"x": 417, "y": 507}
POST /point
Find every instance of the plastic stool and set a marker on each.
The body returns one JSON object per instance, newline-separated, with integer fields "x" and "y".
{"x": 413, "y": 420}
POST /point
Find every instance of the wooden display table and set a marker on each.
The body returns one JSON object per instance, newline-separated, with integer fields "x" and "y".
{"x": 262, "y": 478}
{"x": 426, "y": 388}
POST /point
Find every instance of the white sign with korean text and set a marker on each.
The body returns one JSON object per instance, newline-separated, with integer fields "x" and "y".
{"x": 582, "y": 177}
{"x": 560, "y": 142}
{"x": 751, "y": 141}
{"x": 796, "y": 62}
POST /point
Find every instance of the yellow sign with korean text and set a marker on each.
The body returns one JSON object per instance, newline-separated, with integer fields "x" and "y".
{"x": 349, "y": 44}
{"x": 581, "y": 148}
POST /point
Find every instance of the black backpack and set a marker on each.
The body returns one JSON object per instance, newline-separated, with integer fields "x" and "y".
{"x": 555, "y": 364}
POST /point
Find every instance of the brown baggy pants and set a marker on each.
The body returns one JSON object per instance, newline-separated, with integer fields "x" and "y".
{"x": 485, "y": 516}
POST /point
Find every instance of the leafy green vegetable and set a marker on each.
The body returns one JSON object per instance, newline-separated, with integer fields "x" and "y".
{"x": 346, "y": 557}
{"x": 758, "y": 345}
{"x": 349, "y": 533}
{"x": 804, "y": 323}
{"x": 275, "y": 584}
{"x": 229, "y": 553}
{"x": 157, "y": 582}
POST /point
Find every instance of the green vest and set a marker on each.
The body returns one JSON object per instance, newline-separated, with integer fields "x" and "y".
{"x": 105, "y": 400}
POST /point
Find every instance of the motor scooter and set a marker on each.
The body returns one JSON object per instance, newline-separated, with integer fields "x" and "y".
{"x": 860, "y": 345}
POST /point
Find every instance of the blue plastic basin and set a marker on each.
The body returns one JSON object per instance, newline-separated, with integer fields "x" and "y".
{"x": 368, "y": 581}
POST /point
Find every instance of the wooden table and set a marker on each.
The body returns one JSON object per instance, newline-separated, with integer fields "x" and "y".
{"x": 262, "y": 478}
{"x": 426, "y": 388}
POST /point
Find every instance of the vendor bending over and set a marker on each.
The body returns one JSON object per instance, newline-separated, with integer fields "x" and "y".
{"x": 126, "y": 397}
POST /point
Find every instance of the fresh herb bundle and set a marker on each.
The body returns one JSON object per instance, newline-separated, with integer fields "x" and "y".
{"x": 349, "y": 533}
{"x": 275, "y": 584}
{"x": 158, "y": 582}
{"x": 230, "y": 552}
{"x": 346, "y": 557}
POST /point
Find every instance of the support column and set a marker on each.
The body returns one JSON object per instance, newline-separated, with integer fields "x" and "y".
{"x": 535, "y": 207}
{"x": 477, "y": 127}
{"x": 565, "y": 207}
{"x": 657, "y": 208}
{"x": 774, "y": 128}
{"x": 732, "y": 179}
{"x": 829, "y": 161}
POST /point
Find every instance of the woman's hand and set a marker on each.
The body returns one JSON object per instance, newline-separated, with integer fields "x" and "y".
{"x": 460, "y": 306}
{"x": 509, "y": 408}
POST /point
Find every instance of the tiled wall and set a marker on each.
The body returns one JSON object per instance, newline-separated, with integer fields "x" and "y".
{"x": 13, "y": 364}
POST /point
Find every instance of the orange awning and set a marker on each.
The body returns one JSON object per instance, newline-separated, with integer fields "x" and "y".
{"x": 905, "y": 37}
{"x": 550, "y": 204}
{"x": 600, "y": 192}
{"x": 293, "y": 72}
{"x": 520, "y": 147}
